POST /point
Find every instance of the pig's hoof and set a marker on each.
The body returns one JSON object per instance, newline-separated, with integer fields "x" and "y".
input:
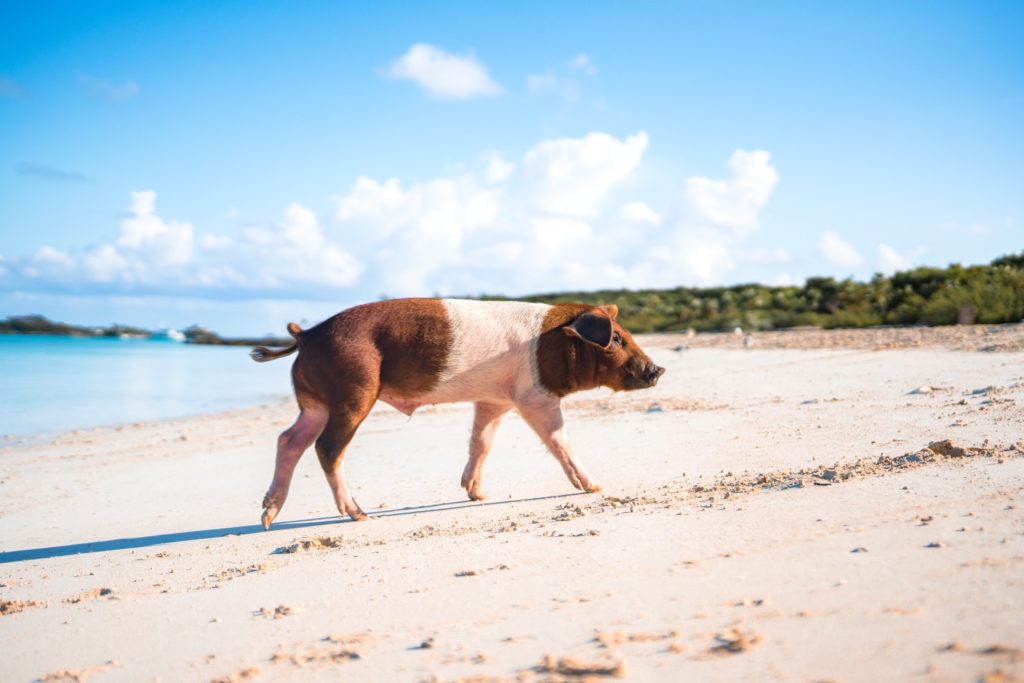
{"x": 477, "y": 495}
{"x": 269, "y": 514}
{"x": 354, "y": 511}
{"x": 591, "y": 487}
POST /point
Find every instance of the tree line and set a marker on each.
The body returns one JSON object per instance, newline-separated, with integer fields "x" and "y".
{"x": 992, "y": 293}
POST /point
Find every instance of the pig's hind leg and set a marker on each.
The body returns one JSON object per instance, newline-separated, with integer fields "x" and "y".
{"x": 333, "y": 442}
{"x": 292, "y": 443}
{"x": 485, "y": 423}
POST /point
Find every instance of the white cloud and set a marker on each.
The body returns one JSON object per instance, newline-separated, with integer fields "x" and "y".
{"x": 498, "y": 169}
{"x": 735, "y": 204}
{"x": 372, "y": 201}
{"x": 154, "y": 253}
{"x": 300, "y": 227}
{"x": 165, "y": 242}
{"x": 299, "y": 252}
{"x": 572, "y": 176}
{"x": 214, "y": 242}
{"x": 49, "y": 257}
{"x": 551, "y": 220}
{"x": 706, "y": 242}
{"x": 554, "y": 239}
{"x": 147, "y": 250}
{"x": 443, "y": 74}
{"x": 105, "y": 264}
{"x": 639, "y": 212}
{"x": 410, "y": 234}
{"x": 890, "y": 260}
{"x": 287, "y": 257}
{"x": 699, "y": 256}
{"x": 582, "y": 62}
{"x": 515, "y": 228}
{"x": 839, "y": 252}
{"x": 457, "y": 202}
{"x": 595, "y": 248}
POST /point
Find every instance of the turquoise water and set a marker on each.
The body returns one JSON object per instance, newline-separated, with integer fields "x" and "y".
{"x": 53, "y": 384}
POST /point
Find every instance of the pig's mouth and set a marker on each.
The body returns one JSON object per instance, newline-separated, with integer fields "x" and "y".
{"x": 646, "y": 379}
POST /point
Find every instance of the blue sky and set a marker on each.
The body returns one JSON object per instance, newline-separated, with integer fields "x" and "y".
{"x": 246, "y": 164}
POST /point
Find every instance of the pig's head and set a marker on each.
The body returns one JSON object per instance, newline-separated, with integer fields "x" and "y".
{"x": 584, "y": 348}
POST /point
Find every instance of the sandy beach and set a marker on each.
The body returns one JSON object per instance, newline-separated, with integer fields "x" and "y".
{"x": 842, "y": 506}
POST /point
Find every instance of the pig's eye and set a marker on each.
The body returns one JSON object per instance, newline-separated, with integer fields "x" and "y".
{"x": 617, "y": 338}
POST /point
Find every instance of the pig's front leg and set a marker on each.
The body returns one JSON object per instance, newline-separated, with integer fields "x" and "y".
{"x": 544, "y": 414}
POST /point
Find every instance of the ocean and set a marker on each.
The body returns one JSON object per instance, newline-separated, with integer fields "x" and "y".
{"x": 53, "y": 384}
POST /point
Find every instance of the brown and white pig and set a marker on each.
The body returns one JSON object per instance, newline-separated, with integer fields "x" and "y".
{"x": 415, "y": 352}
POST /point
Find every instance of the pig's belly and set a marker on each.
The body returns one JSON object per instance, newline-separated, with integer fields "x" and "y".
{"x": 464, "y": 389}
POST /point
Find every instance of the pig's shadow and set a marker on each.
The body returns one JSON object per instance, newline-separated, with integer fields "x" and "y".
{"x": 131, "y": 543}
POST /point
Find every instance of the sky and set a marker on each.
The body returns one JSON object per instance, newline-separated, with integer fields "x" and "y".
{"x": 241, "y": 165}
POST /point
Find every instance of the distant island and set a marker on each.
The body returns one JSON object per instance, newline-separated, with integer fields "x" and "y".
{"x": 196, "y": 334}
{"x": 990, "y": 294}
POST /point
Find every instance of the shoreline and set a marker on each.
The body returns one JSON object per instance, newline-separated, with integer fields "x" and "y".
{"x": 111, "y": 430}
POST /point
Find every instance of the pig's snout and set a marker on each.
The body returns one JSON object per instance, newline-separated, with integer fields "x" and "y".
{"x": 652, "y": 373}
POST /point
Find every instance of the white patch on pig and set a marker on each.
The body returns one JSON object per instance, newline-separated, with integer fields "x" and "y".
{"x": 493, "y": 352}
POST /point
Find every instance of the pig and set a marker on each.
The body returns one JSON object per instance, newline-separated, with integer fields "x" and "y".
{"x": 414, "y": 352}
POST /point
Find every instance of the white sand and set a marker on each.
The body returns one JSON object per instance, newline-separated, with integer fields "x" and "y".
{"x": 645, "y": 574}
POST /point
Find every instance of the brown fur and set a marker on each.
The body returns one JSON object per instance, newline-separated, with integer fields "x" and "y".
{"x": 567, "y": 363}
{"x": 404, "y": 343}
{"x": 343, "y": 364}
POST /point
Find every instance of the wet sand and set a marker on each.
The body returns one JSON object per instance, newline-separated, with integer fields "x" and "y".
{"x": 803, "y": 508}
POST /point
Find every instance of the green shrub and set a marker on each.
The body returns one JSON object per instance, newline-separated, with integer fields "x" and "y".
{"x": 926, "y": 295}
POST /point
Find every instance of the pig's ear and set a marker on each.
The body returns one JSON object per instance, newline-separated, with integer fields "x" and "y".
{"x": 612, "y": 310}
{"x": 592, "y": 328}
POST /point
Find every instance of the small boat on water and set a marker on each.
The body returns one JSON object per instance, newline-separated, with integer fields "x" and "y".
{"x": 168, "y": 335}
